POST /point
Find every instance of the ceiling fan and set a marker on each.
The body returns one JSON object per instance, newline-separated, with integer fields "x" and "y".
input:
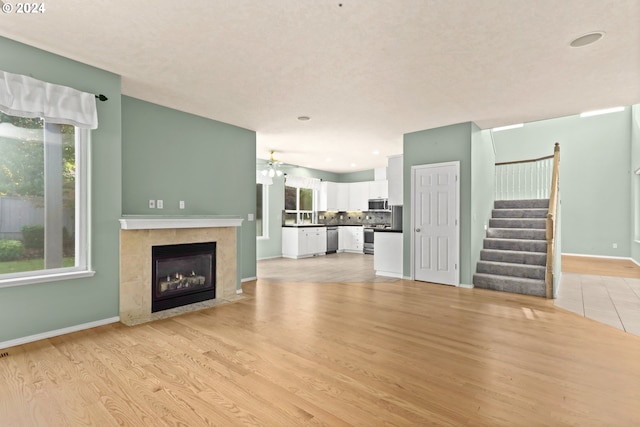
{"x": 273, "y": 167}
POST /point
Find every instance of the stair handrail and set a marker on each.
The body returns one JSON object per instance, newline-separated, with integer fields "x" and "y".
{"x": 525, "y": 161}
{"x": 552, "y": 220}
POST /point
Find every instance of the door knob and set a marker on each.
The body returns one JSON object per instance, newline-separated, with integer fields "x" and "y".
{"x": 417, "y": 230}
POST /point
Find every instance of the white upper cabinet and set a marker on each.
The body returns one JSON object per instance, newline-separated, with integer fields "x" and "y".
{"x": 334, "y": 196}
{"x": 359, "y": 196}
{"x": 378, "y": 189}
{"x": 394, "y": 176}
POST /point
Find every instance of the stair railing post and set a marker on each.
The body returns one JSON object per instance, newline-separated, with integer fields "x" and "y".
{"x": 551, "y": 221}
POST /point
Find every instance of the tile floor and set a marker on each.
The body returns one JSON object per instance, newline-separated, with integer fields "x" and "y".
{"x": 607, "y": 299}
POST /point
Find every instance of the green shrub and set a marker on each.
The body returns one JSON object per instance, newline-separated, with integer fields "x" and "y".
{"x": 10, "y": 250}
{"x": 33, "y": 236}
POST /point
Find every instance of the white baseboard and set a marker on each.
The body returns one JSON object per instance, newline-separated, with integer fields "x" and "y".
{"x": 269, "y": 257}
{"x": 635, "y": 262}
{"x": 389, "y": 274}
{"x": 248, "y": 279}
{"x": 598, "y": 256}
{"x": 58, "y": 332}
{"x": 466, "y": 286}
{"x": 238, "y": 291}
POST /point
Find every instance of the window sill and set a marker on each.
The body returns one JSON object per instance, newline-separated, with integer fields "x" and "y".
{"x": 51, "y": 277}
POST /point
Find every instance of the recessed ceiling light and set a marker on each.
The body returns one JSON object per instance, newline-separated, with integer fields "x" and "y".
{"x": 328, "y": 159}
{"x": 353, "y": 165}
{"x": 304, "y": 118}
{"x": 516, "y": 126}
{"x": 598, "y": 112}
{"x": 376, "y": 153}
{"x": 587, "y": 39}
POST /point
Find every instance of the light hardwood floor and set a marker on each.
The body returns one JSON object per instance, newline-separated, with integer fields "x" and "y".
{"x": 334, "y": 354}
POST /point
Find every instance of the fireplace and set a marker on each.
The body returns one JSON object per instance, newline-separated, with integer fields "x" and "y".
{"x": 182, "y": 274}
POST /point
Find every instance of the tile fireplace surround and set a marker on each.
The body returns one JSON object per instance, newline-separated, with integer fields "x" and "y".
{"x": 139, "y": 233}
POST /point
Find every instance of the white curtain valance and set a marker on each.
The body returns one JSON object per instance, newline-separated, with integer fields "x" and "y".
{"x": 262, "y": 179}
{"x": 302, "y": 182}
{"x": 28, "y": 97}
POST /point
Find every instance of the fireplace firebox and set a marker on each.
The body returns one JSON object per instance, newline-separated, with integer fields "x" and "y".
{"x": 182, "y": 274}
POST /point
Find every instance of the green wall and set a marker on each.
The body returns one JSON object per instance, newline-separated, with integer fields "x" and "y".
{"x": 483, "y": 161}
{"x": 366, "y": 175}
{"x": 172, "y": 156}
{"x": 635, "y": 183}
{"x": 39, "y": 308}
{"x": 444, "y": 144}
{"x": 594, "y": 176}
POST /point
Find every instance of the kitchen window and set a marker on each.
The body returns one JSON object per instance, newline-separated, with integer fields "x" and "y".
{"x": 300, "y": 195}
{"x": 43, "y": 182}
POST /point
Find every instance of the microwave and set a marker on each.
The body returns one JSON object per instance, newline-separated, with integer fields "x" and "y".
{"x": 378, "y": 204}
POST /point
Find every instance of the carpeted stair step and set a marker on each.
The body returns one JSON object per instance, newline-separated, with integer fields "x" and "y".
{"x": 522, "y": 204}
{"x": 517, "y": 285}
{"x": 517, "y": 233}
{"x": 540, "y": 223}
{"x": 511, "y": 269}
{"x": 516, "y": 245}
{"x": 519, "y": 213}
{"x": 520, "y": 257}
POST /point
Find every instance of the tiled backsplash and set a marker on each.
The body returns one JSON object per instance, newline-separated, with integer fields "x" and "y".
{"x": 344, "y": 218}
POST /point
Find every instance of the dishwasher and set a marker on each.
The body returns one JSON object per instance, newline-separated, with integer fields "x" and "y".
{"x": 332, "y": 240}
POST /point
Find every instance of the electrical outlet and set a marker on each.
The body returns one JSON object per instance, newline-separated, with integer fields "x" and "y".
{"x": 152, "y": 204}
{"x": 615, "y": 246}
{"x": 250, "y": 217}
{"x": 181, "y": 204}
{"x": 160, "y": 204}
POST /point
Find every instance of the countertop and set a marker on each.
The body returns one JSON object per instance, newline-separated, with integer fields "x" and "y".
{"x": 304, "y": 225}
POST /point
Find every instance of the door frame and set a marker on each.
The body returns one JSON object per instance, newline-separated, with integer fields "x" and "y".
{"x": 414, "y": 169}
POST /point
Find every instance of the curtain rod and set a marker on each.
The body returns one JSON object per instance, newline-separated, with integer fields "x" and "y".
{"x": 101, "y": 97}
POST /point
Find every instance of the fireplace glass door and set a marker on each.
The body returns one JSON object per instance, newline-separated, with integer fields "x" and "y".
{"x": 182, "y": 274}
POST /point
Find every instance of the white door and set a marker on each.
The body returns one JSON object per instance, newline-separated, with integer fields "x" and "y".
{"x": 435, "y": 193}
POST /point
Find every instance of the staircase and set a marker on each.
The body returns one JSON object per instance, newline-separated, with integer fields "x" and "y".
{"x": 515, "y": 250}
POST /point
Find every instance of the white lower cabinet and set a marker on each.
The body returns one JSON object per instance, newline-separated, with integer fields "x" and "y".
{"x": 387, "y": 254}
{"x": 351, "y": 238}
{"x": 302, "y": 242}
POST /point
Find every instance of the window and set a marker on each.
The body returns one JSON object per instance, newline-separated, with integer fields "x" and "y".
{"x": 299, "y": 201}
{"x": 41, "y": 197}
{"x": 43, "y": 180}
{"x": 262, "y": 226}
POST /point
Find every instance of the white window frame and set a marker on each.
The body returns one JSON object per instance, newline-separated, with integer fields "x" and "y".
{"x": 299, "y": 213}
{"x": 265, "y": 212}
{"x": 82, "y": 266}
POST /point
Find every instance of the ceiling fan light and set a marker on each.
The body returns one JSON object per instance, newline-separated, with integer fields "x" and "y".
{"x": 279, "y": 173}
{"x": 272, "y": 173}
{"x": 265, "y": 172}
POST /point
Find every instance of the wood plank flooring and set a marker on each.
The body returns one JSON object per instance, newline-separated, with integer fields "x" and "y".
{"x": 334, "y": 354}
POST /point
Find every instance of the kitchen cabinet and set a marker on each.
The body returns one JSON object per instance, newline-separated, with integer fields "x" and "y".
{"x": 351, "y": 196}
{"x": 302, "y": 242}
{"x": 387, "y": 254}
{"x": 358, "y": 196}
{"x": 378, "y": 189}
{"x": 333, "y": 196}
{"x": 350, "y": 238}
{"x": 395, "y": 179}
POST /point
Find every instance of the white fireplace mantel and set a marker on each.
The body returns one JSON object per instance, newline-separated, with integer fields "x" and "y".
{"x": 141, "y": 222}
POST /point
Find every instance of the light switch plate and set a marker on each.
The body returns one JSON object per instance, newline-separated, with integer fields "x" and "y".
{"x": 181, "y": 204}
{"x": 250, "y": 217}
{"x": 160, "y": 204}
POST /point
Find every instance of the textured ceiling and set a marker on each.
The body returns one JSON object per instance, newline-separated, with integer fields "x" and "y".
{"x": 365, "y": 71}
